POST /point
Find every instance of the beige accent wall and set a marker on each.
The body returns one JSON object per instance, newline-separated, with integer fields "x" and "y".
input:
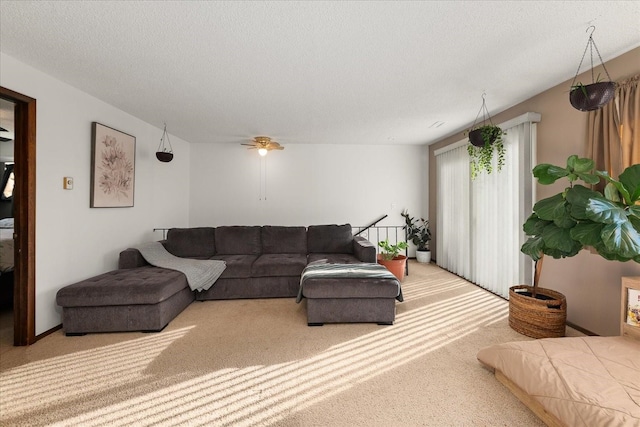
{"x": 590, "y": 283}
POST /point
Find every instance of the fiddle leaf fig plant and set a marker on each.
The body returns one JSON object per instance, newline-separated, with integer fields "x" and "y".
{"x": 609, "y": 221}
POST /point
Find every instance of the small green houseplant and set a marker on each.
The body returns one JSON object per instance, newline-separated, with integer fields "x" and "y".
{"x": 390, "y": 251}
{"x": 390, "y": 257}
{"x": 483, "y": 141}
{"x": 418, "y": 233}
{"x": 565, "y": 223}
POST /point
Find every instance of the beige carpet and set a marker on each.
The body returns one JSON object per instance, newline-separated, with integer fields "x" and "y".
{"x": 257, "y": 363}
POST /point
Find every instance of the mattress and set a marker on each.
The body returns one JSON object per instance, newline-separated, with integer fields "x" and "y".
{"x": 6, "y": 249}
{"x": 580, "y": 381}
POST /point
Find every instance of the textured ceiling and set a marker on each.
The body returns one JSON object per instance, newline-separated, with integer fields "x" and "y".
{"x": 313, "y": 72}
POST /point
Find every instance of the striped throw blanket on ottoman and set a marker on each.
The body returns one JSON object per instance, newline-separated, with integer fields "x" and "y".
{"x": 338, "y": 293}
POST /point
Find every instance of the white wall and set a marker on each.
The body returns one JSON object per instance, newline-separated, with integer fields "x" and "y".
{"x": 73, "y": 241}
{"x": 205, "y": 185}
{"x": 306, "y": 184}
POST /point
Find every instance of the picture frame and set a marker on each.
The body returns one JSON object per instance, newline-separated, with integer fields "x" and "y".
{"x": 630, "y": 301}
{"x": 113, "y": 162}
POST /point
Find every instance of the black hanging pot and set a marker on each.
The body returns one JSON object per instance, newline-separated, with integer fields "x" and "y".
{"x": 593, "y": 96}
{"x": 164, "y": 156}
{"x": 477, "y": 139}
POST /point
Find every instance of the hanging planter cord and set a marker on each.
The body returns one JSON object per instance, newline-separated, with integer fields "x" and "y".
{"x": 161, "y": 147}
{"x": 484, "y": 111}
{"x": 590, "y": 44}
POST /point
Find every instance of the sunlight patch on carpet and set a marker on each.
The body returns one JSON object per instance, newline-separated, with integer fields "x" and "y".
{"x": 265, "y": 395}
{"x": 50, "y": 381}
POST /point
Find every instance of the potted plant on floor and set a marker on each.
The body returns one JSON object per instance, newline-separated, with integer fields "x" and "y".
{"x": 390, "y": 257}
{"x": 418, "y": 233}
{"x": 565, "y": 223}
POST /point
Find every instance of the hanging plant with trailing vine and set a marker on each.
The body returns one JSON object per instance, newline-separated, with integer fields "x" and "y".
{"x": 481, "y": 156}
{"x": 484, "y": 139}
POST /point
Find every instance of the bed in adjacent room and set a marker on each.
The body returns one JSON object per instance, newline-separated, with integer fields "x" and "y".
{"x": 6, "y": 245}
{"x": 6, "y": 262}
{"x": 577, "y": 381}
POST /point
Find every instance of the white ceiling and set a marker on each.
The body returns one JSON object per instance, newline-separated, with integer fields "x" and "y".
{"x": 361, "y": 72}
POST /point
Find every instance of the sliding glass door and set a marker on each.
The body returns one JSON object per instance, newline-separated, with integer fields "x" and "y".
{"x": 480, "y": 221}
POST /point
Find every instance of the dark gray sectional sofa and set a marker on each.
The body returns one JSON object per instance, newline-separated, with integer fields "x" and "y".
{"x": 261, "y": 262}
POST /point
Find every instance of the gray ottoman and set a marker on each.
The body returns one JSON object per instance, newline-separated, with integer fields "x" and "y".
{"x": 134, "y": 299}
{"x": 347, "y": 296}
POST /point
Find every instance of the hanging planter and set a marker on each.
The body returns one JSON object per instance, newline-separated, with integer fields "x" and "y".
{"x": 484, "y": 135}
{"x": 589, "y": 97}
{"x": 164, "y": 154}
{"x": 484, "y": 139}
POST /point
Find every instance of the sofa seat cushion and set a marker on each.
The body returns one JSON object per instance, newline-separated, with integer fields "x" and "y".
{"x": 330, "y": 239}
{"x": 284, "y": 240}
{"x": 334, "y": 258}
{"x": 274, "y": 265}
{"x": 197, "y": 242}
{"x": 238, "y": 266}
{"x": 238, "y": 240}
{"x": 132, "y": 286}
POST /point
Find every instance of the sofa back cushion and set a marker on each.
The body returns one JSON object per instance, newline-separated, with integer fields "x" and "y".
{"x": 197, "y": 242}
{"x": 330, "y": 239}
{"x": 238, "y": 240}
{"x": 284, "y": 240}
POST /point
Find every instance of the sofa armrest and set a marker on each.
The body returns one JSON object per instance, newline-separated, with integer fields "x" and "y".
{"x": 131, "y": 258}
{"x": 364, "y": 250}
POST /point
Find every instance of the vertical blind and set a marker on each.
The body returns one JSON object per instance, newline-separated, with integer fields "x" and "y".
{"x": 479, "y": 221}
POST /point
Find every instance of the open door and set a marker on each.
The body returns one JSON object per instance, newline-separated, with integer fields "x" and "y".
{"x": 24, "y": 199}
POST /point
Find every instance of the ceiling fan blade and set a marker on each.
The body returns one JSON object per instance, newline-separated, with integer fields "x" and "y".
{"x": 249, "y": 145}
{"x": 3, "y": 139}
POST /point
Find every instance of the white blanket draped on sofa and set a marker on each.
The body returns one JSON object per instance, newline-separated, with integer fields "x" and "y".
{"x": 201, "y": 274}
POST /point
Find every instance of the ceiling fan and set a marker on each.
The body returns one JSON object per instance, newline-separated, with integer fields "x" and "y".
{"x": 264, "y": 144}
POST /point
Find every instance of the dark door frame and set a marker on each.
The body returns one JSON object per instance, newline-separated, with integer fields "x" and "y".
{"x": 24, "y": 299}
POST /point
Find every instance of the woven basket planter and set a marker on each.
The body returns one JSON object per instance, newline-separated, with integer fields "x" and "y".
{"x": 537, "y": 318}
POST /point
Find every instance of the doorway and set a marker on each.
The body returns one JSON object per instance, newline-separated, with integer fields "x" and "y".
{"x": 24, "y": 206}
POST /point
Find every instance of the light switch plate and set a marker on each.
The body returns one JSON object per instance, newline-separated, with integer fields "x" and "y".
{"x": 67, "y": 183}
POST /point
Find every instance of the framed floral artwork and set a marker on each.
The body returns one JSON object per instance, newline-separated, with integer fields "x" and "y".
{"x": 113, "y": 155}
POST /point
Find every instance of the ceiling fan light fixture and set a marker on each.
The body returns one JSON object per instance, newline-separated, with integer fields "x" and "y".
{"x": 263, "y": 144}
